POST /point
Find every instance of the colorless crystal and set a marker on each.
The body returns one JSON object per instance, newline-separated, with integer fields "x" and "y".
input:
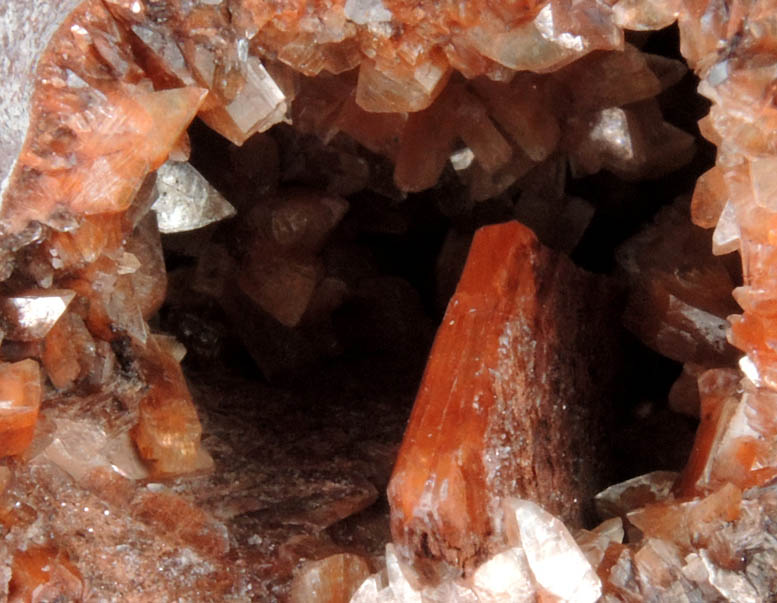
{"x": 402, "y": 589}
{"x": 635, "y": 492}
{"x": 555, "y": 559}
{"x": 186, "y": 200}
{"x": 505, "y": 578}
{"x": 364, "y": 12}
{"x": 260, "y": 104}
{"x": 725, "y": 238}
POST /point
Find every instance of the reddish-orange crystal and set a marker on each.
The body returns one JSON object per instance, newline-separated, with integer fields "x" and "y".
{"x": 20, "y": 397}
{"x": 505, "y": 384}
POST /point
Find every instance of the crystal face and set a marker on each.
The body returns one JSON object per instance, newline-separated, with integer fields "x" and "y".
{"x": 491, "y": 111}
{"x": 483, "y": 397}
{"x": 185, "y": 200}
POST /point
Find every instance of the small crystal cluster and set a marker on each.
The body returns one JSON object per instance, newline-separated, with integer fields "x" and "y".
{"x": 492, "y": 95}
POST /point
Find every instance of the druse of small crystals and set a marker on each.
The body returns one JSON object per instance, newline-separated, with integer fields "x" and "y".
{"x": 97, "y": 419}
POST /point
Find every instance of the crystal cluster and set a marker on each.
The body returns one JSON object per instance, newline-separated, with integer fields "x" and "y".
{"x": 97, "y": 421}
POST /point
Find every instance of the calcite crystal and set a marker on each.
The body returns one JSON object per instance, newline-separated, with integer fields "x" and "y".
{"x": 510, "y": 404}
{"x": 479, "y": 101}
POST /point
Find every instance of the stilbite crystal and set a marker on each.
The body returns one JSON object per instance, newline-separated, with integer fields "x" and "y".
{"x": 168, "y": 431}
{"x": 506, "y": 383}
{"x": 43, "y": 573}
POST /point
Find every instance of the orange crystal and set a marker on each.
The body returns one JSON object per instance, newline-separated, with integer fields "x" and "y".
{"x": 168, "y": 431}
{"x": 503, "y": 393}
{"x": 20, "y": 397}
{"x": 44, "y": 574}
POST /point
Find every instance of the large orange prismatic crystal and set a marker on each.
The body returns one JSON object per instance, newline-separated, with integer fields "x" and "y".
{"x": 510, "y": 404}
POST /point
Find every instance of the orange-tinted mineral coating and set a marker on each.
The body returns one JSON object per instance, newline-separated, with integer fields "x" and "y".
{"x": 509, "y": 402}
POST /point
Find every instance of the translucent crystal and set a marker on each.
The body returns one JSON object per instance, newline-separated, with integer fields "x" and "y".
{"x": 185, "y": 200}
{"x": 645, "y": 15}
{"x": 374, "y": 589}
{"x": 505, "y": 578}
{"x": 551, "y": 551}
{"x": 334, "y": 578}
{"x": 398, "y": 581}
{"x": 76, "y": 447}
{"x": 20, "y": 398}
{"x": 726, "y": 236}
{"x": 594, "y": 543}
{"x": 364, "y": 12}
{"x": 31, "y": 315}
{"x": 259, "y": 105}
{"x": 619, "y": 499}
{"x": 168, "y": 430}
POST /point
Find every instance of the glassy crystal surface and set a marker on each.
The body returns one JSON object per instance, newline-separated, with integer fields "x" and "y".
{"x": 185, "y": 200}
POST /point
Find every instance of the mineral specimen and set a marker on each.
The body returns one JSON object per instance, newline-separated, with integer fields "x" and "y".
{"x": 481, "y": 101}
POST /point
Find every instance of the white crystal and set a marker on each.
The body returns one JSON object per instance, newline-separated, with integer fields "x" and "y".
{"x": 611, "y": 129}
{"x": 732, "y": 585}
{"x": 505, "y": 578}
{"x": 261, "y": 103}
{"x": 555, "y": 559}
{"x": 185, "y": 200}
{"x": 594, "y": 543}
{"x": 450, "y": 592}
{"x": 365, "y": 12}
{"x": 462, "y": 159}
{"x": 403, "y": 590}
{"x": 725, "y": 238}
{"x": 750, "y": 370}
{"x": 374, "y": 589}
{"x": 75, "y": 447}
{"x": 546, "y": 26}
{"x": 718, "y": 73}
{"x": 34, "y": 314}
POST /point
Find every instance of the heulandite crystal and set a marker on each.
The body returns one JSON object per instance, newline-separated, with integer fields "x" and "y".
{"x": 99, "y": 95}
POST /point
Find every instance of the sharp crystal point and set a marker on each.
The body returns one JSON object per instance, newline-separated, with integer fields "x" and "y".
{"x": 185, "y": 200}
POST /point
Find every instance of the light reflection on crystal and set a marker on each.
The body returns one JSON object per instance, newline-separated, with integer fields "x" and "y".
{"x": 365, "y": 12}
{"x": 31, "y": 316}
{"x": 462, "y": 159}
{"x": 505, "y": 578}
{"x": 551, "y": 551}
{"x": 185, "y": 200}
{"x": 611, "y": 128}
